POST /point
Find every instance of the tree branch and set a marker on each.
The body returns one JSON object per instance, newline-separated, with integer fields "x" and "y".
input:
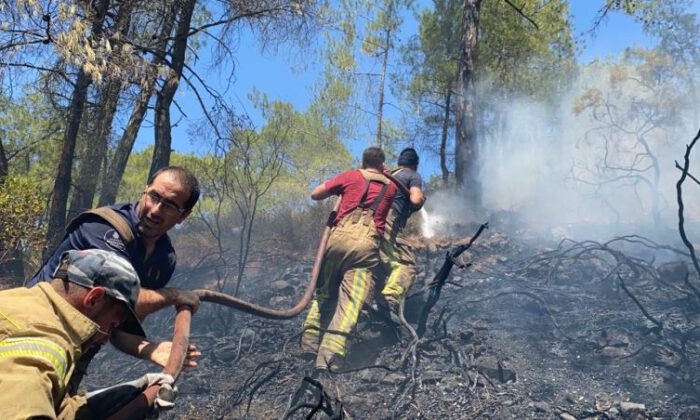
{"x": 521, "y": 13}
{"x": 681, "y": 208}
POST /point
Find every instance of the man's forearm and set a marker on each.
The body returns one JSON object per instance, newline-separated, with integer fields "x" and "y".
{"x": 154, "y": 300}
{"x": 320, "y": 193}
{"x": 130, "y": 344}
{"x": 417, "y": 198}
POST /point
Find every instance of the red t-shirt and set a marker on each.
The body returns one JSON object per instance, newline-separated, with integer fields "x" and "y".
{"x": 351, "y": 184}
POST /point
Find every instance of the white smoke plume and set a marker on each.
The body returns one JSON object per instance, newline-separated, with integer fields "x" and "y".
{"x": 549, "y": 167}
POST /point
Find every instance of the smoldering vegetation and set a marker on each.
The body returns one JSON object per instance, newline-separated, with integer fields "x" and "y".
{"x": 546, "y": 329}
{"x": 581, "y": 300}
{"x": 599, "y": 162}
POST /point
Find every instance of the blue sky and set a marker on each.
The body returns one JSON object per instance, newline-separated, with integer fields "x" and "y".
{"x": 287, "y": 77}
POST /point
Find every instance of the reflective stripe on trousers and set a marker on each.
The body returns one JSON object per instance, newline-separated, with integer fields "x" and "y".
{"x": 353, "y": 293}
{"x": 343, "y": 287}
{"x": 396, "y": 272}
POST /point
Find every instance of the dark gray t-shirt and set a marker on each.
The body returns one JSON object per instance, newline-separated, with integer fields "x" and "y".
{"x": 402, "y": 204}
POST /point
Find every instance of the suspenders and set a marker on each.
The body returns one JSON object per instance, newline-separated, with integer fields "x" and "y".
{"x": 110, "y": 216}
{"x": 364, "y": 207}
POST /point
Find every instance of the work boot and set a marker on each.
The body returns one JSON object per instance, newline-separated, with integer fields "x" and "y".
{"x": 320, "y": 374}
{"x": 337, "y": 363}
{"x": 387, "y": 313}
{"x": 308, "y": 356}
{"x": 334, "y": 363}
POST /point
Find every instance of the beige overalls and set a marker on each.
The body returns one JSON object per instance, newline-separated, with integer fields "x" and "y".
{"x": 344, "y": 284}
{"x": 397, "y": 270}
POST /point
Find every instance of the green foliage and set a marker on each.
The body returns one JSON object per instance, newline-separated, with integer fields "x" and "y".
{"x": 360, "y": 61}
{"x": 522, "y": 60}
{"x": 335, "y": 89}
{"x": 677, "y": 29}
{"x": 632, "y": 7}
{"x": 438, "y": 47}
{"x": 30, "y": 131}
{"x": 642, "y": 91}
{"x": 21, "y": 210}
{"x": 312, "y": 151}
{"x": 136, "y": 173}
{"x": 431, "y": 80}
{"x": 381, "y": 31}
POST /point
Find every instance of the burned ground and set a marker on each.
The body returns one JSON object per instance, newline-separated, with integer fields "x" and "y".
{"x": 567, "y": 330}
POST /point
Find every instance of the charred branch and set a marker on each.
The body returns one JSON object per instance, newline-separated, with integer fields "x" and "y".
{"x": 656, "y": 322}
{"x": 688, "y": 173}
{"x": 681, "y": 209}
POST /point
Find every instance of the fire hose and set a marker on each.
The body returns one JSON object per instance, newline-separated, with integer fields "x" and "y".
{"x": 140, "y": 407}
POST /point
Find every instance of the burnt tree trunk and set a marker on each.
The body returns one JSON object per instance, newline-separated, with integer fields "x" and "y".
{"x": 95, "y": 155}
{"x": 466, "y": 162}
{"x": 62, "y": 183}
{"x": 4, "y": 165}
{"x": 117, "y": 166}
{"x": 443, "y": 136}
{"x": 96, "y": 150}
{"x": 382, "y": 84}
{"x": 163, "y": 139}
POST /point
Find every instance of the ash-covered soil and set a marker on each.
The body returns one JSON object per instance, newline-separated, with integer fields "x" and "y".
{"x": 563, "y": 330}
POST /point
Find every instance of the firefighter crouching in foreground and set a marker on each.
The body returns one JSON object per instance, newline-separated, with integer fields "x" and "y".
{"x": 44, "y": 331}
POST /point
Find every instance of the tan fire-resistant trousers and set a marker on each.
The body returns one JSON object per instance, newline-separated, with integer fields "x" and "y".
{"x": 396, "y": 272}
{"x": 344, "y": 286}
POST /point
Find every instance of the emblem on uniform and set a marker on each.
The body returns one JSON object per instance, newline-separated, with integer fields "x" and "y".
{"x": 113, "y": 240}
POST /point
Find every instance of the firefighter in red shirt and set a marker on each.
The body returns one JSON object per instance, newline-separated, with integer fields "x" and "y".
{"x": 353, "y": 249}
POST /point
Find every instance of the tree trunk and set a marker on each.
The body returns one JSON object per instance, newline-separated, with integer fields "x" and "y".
{"x": 4, "y": 165}
{"x": 388, "y": 29}
{"x": 466, "y": 153}
{"x": 163, "y": 140}
{"x": 382, "y": 83}
{"x": 443, "y": 137}
{"x": 61, "y": 188}
{"x": 96, "y": 150}
{"x": 110, "y": 183}
{"x": 62, "y": 183}
{"x": 117, "y": 166}
{"x": 246, "y": 236}
{"x": 12, "y": 267}
{"x": 95, "y": 156}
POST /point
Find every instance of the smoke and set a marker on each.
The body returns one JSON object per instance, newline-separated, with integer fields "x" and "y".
{"x": 441, "y": 214}
{"x": 597, "y": 172}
